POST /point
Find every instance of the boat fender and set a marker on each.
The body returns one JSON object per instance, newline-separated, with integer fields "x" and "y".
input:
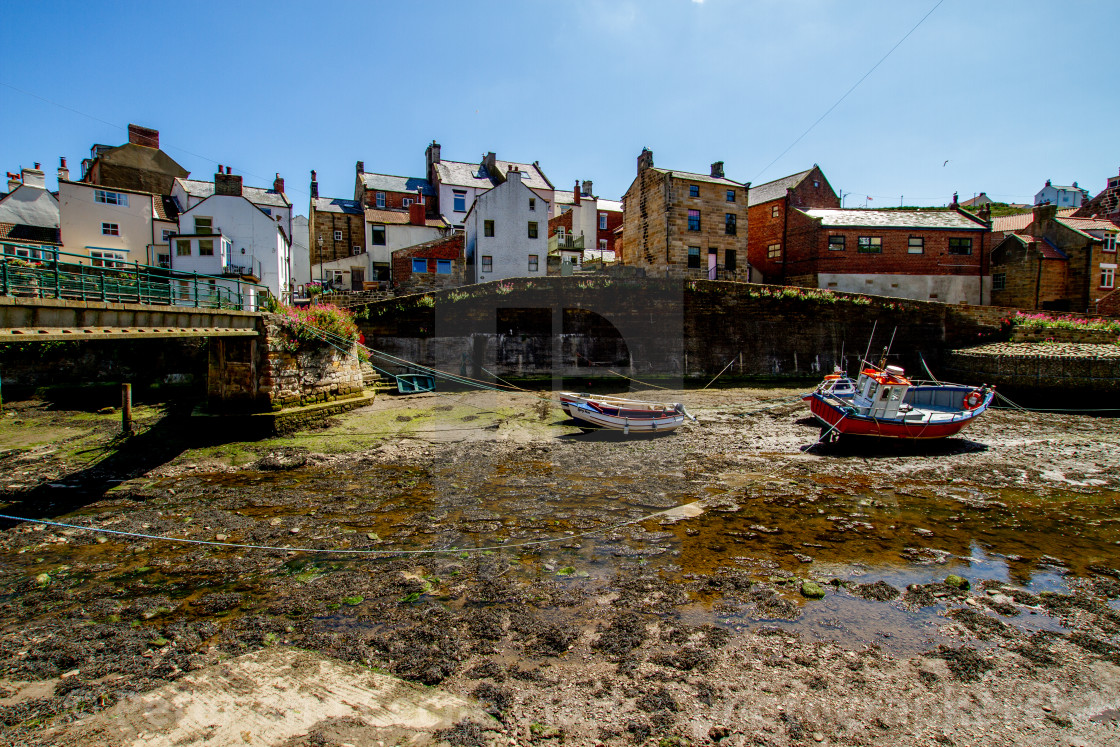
{"x": 972, "y": 400}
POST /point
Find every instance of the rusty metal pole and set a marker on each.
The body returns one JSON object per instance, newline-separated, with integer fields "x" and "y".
{"x": 126, "y": 409}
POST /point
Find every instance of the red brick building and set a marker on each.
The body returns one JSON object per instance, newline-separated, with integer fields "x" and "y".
{"x": 934, "y": 255}
{"x": 579, "y": 213}
{"x": 388, "y": 192}
{"x": 430, "y": 266}
{"x": 768, "y": 210}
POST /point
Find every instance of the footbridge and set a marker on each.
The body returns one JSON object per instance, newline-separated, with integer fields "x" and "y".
{"x": 48, "y": 295}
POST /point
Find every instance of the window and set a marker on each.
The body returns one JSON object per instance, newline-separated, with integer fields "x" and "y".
{"x": 729, "y": 260}
{"x": 419, "y": 265}
{"x": 960, "y": 246}
{"x": 533, "y": 262}
{"x": 206, "y": 247}
{"x": 110, "y": 198}
{"x": 693, "y": 190}
{"x": 164, "y": 260}
{"x": 532, "y": 203}
{"x": 532, "y": 229}
{"x": 816, "y": 183}
{"x": 1108, "y": 276}
{"x": 103, "y": 258}
{"x": 836, "y": 243}
{"x": 357, "y": 250}
{"x": 774, "y": 251}
{"x": 487, "y": 228}
{"x": 729, "y": 224}
{"x": 183, "y": 248}
{"x": 110, "y": 229}
{"x": 602, "y": 221}
{"x": 203, "y": 225}
{"x": 487, "y": 263}
{"x": 694, "y": 257}
{"x": 999, "y": 281}
{"x": 693, "y": 220}
{"x": 602, "y": 245}
{"x": 377, "y": 235}
{"x": 916, "y": 245}
{"x": 775, "y": 211}
{"x": 379, "y": 199}
{"x": 870, "y": 244}
{"x": 460, "y": 201}
{"x": 407, "y": 201}
{"x": 338, "y": 235}
{"x": 443, "y": 266}
{"x": 167, "y": 234}
{"x": 1109, "y": 240}
{"x": 731, "y": 195}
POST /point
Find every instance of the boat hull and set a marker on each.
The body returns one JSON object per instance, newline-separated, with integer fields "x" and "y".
{"x": 415, "y": 383}
{"x": 627, "y": 421}
{"x": 840, "y": 418}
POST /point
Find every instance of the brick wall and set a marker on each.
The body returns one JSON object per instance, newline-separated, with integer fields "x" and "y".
{"x": 450, "y": 247}
{"x": 564, "y": 219}
{"x": 393, "y": 200}
{"x": 614, "y": 220}
{"x": 1030, "y": 281}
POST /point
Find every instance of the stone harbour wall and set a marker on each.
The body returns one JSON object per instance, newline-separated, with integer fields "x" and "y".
{"x": 1037, "y": 367}
{"x": 275, "y": 371}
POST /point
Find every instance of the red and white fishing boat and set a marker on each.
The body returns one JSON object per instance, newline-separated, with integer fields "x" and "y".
{"x": 884, "y": 403}
{"x": 622, "y": 414}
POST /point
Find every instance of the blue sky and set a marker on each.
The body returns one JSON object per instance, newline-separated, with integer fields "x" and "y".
{"x": 1008, "y": 93}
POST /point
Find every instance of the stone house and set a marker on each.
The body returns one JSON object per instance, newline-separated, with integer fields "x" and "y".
{"x": 1063, "y": 197}
{"x": 683, "y": 224}
{"x": 506, "y": 232}
{"x": 139, "y": 165}
{"x": 29, "y": 216}
{"x": 337, "y": 240}
{"x": 933, "y": 255}
{"x": 1057, "y": 263}
{"x": 433, "y": 265}
{"x": 457, "y": 184}
{"x": 768, "y": 211}
{"x": 226, "y": 234}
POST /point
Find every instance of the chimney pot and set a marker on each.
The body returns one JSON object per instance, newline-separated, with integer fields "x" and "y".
{"x": 63, "y": 161}
{"x": 278, "y": 184}
{"x": 717, "y": 170}
{"x": 587, "y": 188}
{"x": 37, "y": 166}
{"x": 576, "y": 192}
{"x": 645, "y": 160}
{"x": 314, "y": 187}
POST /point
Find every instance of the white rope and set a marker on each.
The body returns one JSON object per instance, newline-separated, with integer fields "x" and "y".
{"x": 271, "y": 548}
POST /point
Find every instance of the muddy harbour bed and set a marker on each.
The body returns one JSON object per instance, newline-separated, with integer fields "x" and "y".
{"x": 521, "y": 582}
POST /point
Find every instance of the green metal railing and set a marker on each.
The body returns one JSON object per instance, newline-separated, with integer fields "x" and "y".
{"x": 43, "y": 272}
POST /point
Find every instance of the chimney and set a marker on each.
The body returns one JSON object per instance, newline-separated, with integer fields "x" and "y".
{"x": 360, "y": 167}
{"x": 645, "y": 160}
{"x": 33, "y": 177}
{"x": 1047, "y": 182}
{"x": 956, "y": 202}
{"x": 416, "y": 214}
{"x": 145, "y": 136}
{"x": 575, "y": 191}
{"x": 587, "y": 188}
{"x": 717, "y": 170}
{"x": 13, "y": 182}
{"x": 278, "y": 184}
{"x": 490, "y": 161}
{"x": 1043, "y": 214}
{"x": 63, "y": 172}
{"x": 1075, "y": 185}
{"x": 314, "y": 185}
{"x": 227, "y": 184}
{"x": 985, "y": 213}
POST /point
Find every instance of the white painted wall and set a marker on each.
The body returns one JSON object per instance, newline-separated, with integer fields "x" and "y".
{"x": 948, "y": 288}
{"x": 81, "y": 217}
{"x": 187, "y": 201}
{"x": 301, "y": 250}
{"x": 397, "y": 236}
{"x": 31, "y": 206}
{"x": 255, "y": 238}
{"x": 447, "y": 202}
{"x": 510, "y": 246}
{"x": 1063, "y": 198}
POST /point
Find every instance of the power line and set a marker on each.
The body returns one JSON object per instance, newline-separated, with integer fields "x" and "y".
{"x": 854, "y": 87}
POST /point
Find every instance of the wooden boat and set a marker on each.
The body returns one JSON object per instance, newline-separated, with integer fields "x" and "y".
{"x": 884, "y": 403}
{"x": 414, "y": 383}
{"x": 568, "y": 400}
{"x": 651, "y": 419}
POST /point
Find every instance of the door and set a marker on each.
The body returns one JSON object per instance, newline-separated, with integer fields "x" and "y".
{"x": 357, "y": 278}
{"x": 712, "y": 264}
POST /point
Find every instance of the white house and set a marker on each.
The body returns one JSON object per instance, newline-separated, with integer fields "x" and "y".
{"x": 507, "y": 229}
{"x": 114, "y": 226}
{"x": 225, "y": 234}
{"x": 457, "y": 185}
{"x": 29, "y": 213}
{"x": 389, "y": 230}
{"x": 1063, "y": 197}
{"x": 592, "y": 223}
{"x": 273, "y": 202}
{"x": 301, "y": 251}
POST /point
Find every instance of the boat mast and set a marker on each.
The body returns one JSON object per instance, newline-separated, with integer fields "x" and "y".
{"x": 869, "y": 339}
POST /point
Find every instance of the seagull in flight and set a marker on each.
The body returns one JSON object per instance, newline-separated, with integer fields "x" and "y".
{"x": 945, "y": 164}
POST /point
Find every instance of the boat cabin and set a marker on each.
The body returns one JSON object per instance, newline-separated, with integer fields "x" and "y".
{"x": 882, "y": 393}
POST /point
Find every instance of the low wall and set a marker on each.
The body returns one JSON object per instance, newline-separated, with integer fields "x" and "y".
{"x": 274, "y": 371}
{"x": 1039, "y": 334}
{"x": 587, "y": 327}
{"x": 1038, "y": 367}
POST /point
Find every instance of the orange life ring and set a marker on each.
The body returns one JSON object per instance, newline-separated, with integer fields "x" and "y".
{"x": 973, "y": 399}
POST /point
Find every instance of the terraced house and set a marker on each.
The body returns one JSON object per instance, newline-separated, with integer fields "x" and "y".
{"x": 685, "y": 224}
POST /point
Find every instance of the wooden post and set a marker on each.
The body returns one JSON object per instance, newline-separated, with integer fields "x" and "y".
{"x": 126, "y": 409}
